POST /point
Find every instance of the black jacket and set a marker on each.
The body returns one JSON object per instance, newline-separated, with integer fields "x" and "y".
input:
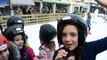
{"x": 91, "y": 49}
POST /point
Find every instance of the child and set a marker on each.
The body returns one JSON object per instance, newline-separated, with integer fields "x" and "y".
{"x": 4, "y": 45}
{"x": 72, "y": 33}
{"x": 17, "y": 35}
{"x": 17, "y": 21}
{"x": 46, "y": 34}
{"x": 88, "y": 21}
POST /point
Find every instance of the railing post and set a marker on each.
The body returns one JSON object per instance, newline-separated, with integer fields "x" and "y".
{"x": 11, "y": 8}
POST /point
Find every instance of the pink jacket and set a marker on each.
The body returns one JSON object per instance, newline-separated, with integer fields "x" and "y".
{"x": 45, "y": 53}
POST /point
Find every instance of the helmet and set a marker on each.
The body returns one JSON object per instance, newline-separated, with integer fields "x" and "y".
{"x": 15, "y": 20}
{"x": 47, "y": 32}
{"x": 11, "y": 32}
{"x": 4, "y": 43}
{"x": 75, "y": 20}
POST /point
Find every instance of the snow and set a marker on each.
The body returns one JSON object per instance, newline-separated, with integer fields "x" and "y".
{"x": 98, "y": 30}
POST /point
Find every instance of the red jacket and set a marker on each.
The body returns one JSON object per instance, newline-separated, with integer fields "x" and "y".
{"x": 31, "y": 53}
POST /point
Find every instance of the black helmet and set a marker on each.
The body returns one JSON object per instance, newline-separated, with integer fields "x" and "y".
{"x": 47, "y": 32}
{"x": 15, "y": 20}
{"x": 77, "y": 21}
{"x": 12, "y": 31}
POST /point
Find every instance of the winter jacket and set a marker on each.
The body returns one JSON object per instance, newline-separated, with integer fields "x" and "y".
{"x": 27, "y": 53}
{"x": 91, "y": 49}
{"x": 45, "y": 53}
{"x": 14, "y": 53}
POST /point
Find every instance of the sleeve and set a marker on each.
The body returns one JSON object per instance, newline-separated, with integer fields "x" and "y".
{"x": 31, "y": 53}
{"x": 98, "y": 46}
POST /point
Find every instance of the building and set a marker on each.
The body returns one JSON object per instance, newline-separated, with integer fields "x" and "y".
{"x": 3, "y": 7}
{"x": 85, "y": 6}
{"x": 53, "y": 6}
{"x": 80, "y": 6}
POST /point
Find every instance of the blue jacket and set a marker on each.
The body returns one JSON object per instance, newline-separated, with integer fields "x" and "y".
{"x": 91, "y": 49}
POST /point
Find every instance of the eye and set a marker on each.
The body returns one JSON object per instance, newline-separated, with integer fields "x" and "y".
{"x": 64, "y": 34}
{"x": 17, "y": 40}
{"x": 5, "y": 50}
{"x": 73, "y": 34}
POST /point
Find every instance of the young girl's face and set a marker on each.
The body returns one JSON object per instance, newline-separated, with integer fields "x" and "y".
{"x": 70, "y": 37}
{"x": 4, "y": 55}
{"x": 18, "y": 40}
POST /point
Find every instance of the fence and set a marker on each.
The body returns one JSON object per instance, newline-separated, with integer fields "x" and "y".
{"x": 34, "y": 18}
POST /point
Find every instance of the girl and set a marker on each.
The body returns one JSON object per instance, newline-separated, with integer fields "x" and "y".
{"x": 72, "y": 32}
{"x": 18, "y": 22}
{"x": 14, "y": 53}
{"x": 46, "y": 34}
{"x": 17, "y": 35}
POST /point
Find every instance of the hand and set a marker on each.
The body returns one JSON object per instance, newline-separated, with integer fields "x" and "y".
{"x": 102, "y": 2}
{"x": 35, "y": 58}
{"x": 61, "y": 53}
{"x": 71, "y": 58}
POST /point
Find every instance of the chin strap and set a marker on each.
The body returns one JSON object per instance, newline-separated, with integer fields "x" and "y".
{"x": 68, "y": 55}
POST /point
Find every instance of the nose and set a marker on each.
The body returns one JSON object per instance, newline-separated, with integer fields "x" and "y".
{"x": 68, "y": 38}
{"x": 21, "y": 41}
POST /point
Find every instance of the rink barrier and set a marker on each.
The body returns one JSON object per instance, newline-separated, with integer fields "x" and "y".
{"x": 32, "y": 19}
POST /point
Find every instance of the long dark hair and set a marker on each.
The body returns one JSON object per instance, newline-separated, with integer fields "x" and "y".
{"x": 77, "y": 52}
{"x": 50, "y": 45}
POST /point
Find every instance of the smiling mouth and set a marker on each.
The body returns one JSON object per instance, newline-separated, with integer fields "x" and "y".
{"x": 68, "y": 45}
{"x": 5, "y": 58}
{"x": 21, "y": 45}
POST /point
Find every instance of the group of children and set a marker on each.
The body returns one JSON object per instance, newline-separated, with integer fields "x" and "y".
{"x": 13, "y": 42}
{"x": 14, "y": 33}
{"x": 71, "y": 35}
